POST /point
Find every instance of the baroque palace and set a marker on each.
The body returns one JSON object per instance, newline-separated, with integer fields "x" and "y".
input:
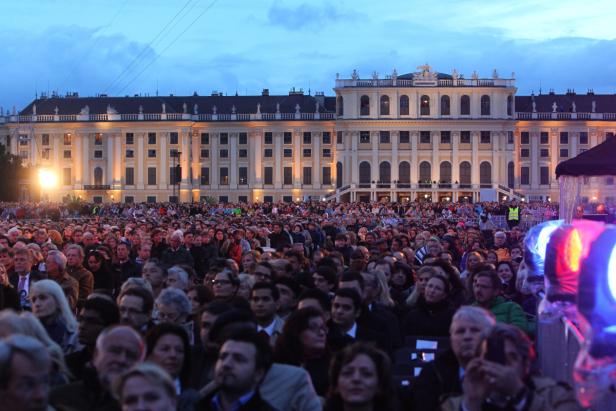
{"x": 424, "y": 135}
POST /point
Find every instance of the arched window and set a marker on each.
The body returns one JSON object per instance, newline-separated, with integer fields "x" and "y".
{"x": 465, "y": 105}
{"x": 364, "y": 106}
{"x": 465, "y": 173}
{"x": 445, "y": 106}
{"x": 385, "y": 172}
{"x": 424, "y": 107}
{"x": 510, "y": 175}
{"x": 365, "y": 174}
{"x": 98, "y": 176}
{"x": 510, "y": 105}
{"x": 485, "y": 173}
{"x": 425, "y": 172}
{"x": 340, "y": 106}
{"x": 404, "y": 172}
{"x": 404, "y": 105}
{"x": 384, "y": 105}
{"x": 445, "y": 172}
{"x": 338, "y": 174}
{"x": 485, "y": 105}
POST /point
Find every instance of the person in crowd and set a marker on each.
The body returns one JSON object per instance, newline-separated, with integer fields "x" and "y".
{"x": 443, "y": 376}
{"x": 74, "y": 266}
{"x": 507, "y": 383}
{"x": 168, "y": 347}
{"x": 50, "y": 306}
{"x": 144, "y": 253}
{"x": 264, "y": 303}
{"x": 124, "y": 265}
{"x": 173, "y": 306}
{"x": 159, "y": 245}
{"x": 23, "y": 277}
{"x": 289, "y": 290}
{"x": 135, "y": 305}
{"x": 9, "y": 299}
{"x": 146, "y": 386}
{"x": 487, "y": 289}
{"x": 55, "y": 265}
{"x": 303, "y": 343}
{"x": 97, "y": 314}
{"x": 346, "y": 310}
{"x": 360, "y": 378}
{"x": 206, "y": 352}
{"x": 178, "y": 278}
{"x": 432, "y": 315}
{"x": 176, "y": 254}
{"x": 25, "y": 365}
{"x": 422, "y": 277}
{"x": 155, "y": 275}
{"x": 324, "y": 279}
{"x": 117, "y": 350}
{"x": 104, "y": 276}
{"x": 243, "y": 360}
{"x": 225, "y": 285}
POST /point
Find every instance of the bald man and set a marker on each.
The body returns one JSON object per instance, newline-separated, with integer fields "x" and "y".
{"x": 117, "y": 350}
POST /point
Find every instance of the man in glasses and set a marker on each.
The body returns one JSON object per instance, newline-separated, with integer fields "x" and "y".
{"x": 135, "y": 305}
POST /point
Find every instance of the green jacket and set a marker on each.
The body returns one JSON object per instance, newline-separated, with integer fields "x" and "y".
{"x": 508, "y": 312}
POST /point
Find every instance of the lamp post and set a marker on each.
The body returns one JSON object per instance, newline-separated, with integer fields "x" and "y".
{"x": 176, "y": 158}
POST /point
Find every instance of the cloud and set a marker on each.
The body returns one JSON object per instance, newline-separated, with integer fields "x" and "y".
{"x": 65, "y": 58}
{"x": 307, "y": 15}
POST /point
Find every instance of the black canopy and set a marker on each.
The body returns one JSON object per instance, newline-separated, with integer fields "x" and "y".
{"x": 598, "y": 161}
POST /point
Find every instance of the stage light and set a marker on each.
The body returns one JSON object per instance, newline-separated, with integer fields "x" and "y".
{"x": 597, "y": 294}
{"x": 47, "y": 179}
{"x": 611, "y": 276}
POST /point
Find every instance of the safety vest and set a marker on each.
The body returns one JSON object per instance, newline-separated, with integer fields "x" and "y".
{"x": 514, "y": 213}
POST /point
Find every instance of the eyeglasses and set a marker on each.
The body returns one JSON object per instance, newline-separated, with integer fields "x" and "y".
{"x": 129, "y": 310}
{"x": 171, "y": 317}
{"x": 221, "y": 282}
{"x": 318, "y": 329}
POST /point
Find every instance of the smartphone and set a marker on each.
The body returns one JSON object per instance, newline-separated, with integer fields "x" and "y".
{"x": 495, "y": 350}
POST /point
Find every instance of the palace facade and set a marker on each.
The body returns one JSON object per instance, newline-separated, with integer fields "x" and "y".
{"x": 424, "y": 135}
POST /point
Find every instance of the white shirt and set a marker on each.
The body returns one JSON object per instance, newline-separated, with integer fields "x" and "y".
{"x": 353, "y": 331}
{"x": 269, "y": 329}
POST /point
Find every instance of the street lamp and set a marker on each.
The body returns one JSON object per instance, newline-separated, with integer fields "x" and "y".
{"x": 177, "y": 169}
{"x": 48, "y": 180}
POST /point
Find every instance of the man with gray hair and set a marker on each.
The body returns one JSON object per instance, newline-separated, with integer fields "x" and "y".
{"x": 24, "y": 374}
{"x": 177, "y": 254}
{"x": 117, "y": 350}
{"x": 55, "y": 264}
{"x": 469, "y": 326}
{"x": 174, "y": 307}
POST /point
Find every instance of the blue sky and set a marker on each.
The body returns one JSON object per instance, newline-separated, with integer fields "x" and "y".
{"x": 122, "y": 47}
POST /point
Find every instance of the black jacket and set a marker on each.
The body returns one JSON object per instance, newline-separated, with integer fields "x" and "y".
{"x": 86, "y": 394}
{"x": 437, "y": 380}
{"x": 256, "y": 403}
{"x": 428, "y": 320}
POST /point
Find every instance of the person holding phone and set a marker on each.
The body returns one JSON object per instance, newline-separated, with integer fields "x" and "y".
{"x": 500, "y": 378}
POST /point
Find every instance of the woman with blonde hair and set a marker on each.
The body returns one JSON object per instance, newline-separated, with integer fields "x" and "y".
{"x": 50, "y": 306}
{"x": 421, "y": 279}
{"x": 145, "y": 385}
{"x": 26, "y": 323}
{"x": 8, "y": 295}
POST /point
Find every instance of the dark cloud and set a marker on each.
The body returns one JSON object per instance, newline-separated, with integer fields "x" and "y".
{"x": 307, "y": 15}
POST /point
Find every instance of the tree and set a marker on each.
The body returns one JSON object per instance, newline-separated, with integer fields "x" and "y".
{"x": 12, "y": 172}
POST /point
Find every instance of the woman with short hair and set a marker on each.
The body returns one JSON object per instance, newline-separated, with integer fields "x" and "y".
{"x": 148, "y": 385}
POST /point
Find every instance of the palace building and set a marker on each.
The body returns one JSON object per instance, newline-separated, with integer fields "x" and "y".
{"x": 424, "y": 135}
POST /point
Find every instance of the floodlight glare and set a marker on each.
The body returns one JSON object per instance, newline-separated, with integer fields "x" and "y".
{"x": 611, "y": 274}
{"x": 47, "y": 179}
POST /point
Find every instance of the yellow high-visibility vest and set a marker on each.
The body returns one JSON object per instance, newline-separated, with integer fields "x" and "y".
{"x": 514, "y": 213}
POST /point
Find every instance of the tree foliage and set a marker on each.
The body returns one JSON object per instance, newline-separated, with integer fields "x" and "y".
{"x": 11, "y": 172}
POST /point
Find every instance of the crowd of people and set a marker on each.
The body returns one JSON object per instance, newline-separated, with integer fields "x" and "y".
{"x": 299, "y": 307}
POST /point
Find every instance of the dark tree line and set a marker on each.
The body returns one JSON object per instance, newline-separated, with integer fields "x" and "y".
{"x": 11, "y": 173}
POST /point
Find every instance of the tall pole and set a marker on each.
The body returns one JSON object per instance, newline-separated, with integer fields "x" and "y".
{"x": 173, "y": 175}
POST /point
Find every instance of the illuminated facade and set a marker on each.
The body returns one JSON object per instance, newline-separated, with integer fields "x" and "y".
{"x": 424, "y": 135}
